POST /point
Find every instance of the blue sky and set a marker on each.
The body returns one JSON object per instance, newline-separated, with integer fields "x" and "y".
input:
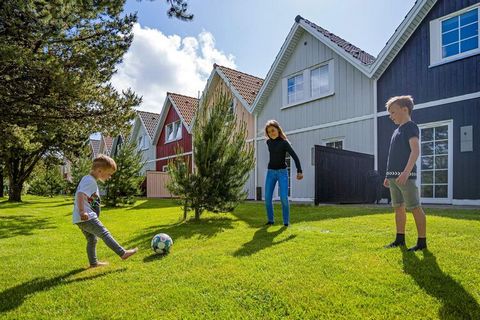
{"x": 254, "y": 30}
{"x": 169, "y": 55}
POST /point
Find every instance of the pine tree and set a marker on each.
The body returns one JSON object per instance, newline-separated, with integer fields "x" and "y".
{"x": 222, "y": 159}
{"x": 124, "y": 185}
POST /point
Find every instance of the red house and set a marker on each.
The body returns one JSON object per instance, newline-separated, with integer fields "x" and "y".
{"x": 174, "y": 129}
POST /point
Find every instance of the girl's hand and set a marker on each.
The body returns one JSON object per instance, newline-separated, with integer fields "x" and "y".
{"x": 386, "y": 183}
{"x": 299, "y": 176}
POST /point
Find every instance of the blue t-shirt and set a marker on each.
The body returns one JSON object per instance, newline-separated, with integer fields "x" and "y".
{"x": 400, "y": 150}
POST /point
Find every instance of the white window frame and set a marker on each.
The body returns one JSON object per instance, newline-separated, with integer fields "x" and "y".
{"x": 333, "y": 140}
{"x": 436, "y": 58}
{"x": 175, "y": 126}
{"x": 449, "y": 198}
{"x": 307, "y": 85}
{"x": 165, "y": 168}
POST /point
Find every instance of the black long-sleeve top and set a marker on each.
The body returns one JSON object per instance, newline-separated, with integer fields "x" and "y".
{"x": 278, "y": 149}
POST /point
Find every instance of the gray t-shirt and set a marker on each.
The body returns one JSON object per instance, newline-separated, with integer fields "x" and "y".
{"x": 88, "y": 185}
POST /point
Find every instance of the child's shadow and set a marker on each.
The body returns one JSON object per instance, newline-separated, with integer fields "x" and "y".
{"x": 261, "y": 239}
{"x": 13, "y": 298}
{"x": 457, "y": 303}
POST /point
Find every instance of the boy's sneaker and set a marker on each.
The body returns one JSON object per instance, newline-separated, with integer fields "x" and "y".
{"x": 417, "y": 248}
{"x": 129, "y": 253}
{"x": 99, "y": 264}
{"x": 269, "y": 223}
{"x": 285, "y": 225}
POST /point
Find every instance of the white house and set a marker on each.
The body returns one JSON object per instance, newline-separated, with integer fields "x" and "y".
{"x": 143, "y": 132}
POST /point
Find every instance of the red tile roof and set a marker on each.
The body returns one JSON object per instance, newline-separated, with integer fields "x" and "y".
{"x": 354, "y": 51}
{"x": 246, "y": 84}
{"x": 187, "y": 106}
{"x": 150, "y": 120}
{"x": 95, "y": 144}
{"x": 108, "y": 144}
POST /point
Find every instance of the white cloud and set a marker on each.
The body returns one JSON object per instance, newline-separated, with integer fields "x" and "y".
{"x": 156, "y": 63}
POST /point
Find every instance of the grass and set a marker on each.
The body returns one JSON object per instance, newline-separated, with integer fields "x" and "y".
{"x": 328, "y": 265}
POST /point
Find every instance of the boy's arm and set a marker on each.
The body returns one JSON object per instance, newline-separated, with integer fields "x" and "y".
{"x": 415, "y": 147}
{"x": 81, "y": 197}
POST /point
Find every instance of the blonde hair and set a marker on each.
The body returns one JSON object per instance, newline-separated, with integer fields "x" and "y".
{"x": 104, "y": 162}
{"x": 275, "y": 124}
{"x": 402, "y": 102}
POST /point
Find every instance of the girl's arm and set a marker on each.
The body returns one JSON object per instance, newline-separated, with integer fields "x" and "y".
{"x": 292, "y": 153}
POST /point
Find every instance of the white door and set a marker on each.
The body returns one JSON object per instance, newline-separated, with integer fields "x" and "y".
{"x": 435, "y": 163}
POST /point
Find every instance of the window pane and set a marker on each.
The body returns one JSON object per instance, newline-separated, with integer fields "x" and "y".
{"x": 450, "y": 37}
{"x": 441, "y": 133}
{"x": 469, "y": 17}
{"x": 295, "y": 89}
{"x": 427, "y": 191}
{"x": 441, "y": 191}
{"x": 427, "y": 177}
{"x": 441, "y": 176}
{"x": 469, "y": 31}
{"x": 319, "y": 80}
{"x": 469, "y": 44}
{"x": 441, "y": 162}
{"x": 427, "y": 148}
{"x": 441, "y": 147}
{"x": 450, "y": 24}
{"x": 427, "y": 163}
{"x": 427, "y": 134}
{"x": 450, "y": 50}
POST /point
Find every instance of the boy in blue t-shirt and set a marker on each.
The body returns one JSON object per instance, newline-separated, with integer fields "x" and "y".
{"x": 401, "y": 172}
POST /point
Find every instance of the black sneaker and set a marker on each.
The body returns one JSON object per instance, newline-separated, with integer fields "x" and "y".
{"x": 269, "y": 223}
{"x": 285, "y": 225}
{"x": 417, "y": 248}
{"x": 395, "y": 244}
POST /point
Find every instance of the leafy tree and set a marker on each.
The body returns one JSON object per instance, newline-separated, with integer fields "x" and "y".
{"x": 47, "y": 179}
{"x": 80, "y": 167}
{"x": 222, "y": 157}
{"x": 124, "y": 185}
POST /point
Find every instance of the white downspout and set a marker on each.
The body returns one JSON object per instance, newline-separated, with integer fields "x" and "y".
{"x": 375, "y": 125}
{"x": 255, "y": 154}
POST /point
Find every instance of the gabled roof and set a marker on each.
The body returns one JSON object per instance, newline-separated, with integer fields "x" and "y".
{"x": 95, "y": 145}
{"x": 184, "y": 106}
{"x": 362, "y": 56}
{"x": 242, "y": 84}
{"x": 401, "y": 35}
{"x": 108, "y": 141}
{"x": 352, "y": 54}
{"x": 149, "y": 121}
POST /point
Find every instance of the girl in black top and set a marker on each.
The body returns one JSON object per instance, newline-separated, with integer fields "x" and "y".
{"x": 278, "y": 146}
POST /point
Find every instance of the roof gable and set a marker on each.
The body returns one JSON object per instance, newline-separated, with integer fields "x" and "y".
{"x": 149, "y": 121}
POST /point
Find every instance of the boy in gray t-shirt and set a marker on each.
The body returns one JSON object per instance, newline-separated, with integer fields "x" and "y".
{"x": 402, "y": 173}
{"x": 86, "y": 211}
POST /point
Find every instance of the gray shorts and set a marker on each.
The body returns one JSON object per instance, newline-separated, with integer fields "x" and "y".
{"x": 406, "y": 195}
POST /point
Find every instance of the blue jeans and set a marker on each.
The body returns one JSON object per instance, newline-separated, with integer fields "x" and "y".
{"x": 272, "y": 177}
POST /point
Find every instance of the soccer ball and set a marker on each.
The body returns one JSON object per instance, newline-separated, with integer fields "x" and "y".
{"x": 161, "y": 243}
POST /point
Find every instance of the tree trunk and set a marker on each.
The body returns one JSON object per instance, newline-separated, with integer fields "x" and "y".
{"x": 198, "y": 212}
{"x": 1, "y": 183}
{"x": 15, "y": 190}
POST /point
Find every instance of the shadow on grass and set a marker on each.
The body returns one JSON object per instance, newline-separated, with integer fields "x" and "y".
{"x": 255, "y": 216}
{"x": 12, "y": 226}
{"x": 262, "y": 239}
{"x": 205, "y": 228}
{"x": 155, "y": 257}
{"x": 456, "y": 302}
{"x": 154, "y": 204}
{"x": 14, "y": 297}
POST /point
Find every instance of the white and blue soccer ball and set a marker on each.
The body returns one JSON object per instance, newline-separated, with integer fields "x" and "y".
{"x": 162, "y": 243}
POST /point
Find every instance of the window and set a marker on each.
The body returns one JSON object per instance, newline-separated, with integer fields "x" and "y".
{"x": 319, "y": 81}
{"x": 165, "y": 168}
{"x": 310, "y": 84}
{"x": 295, "y": 89}
{"x": 335, "y": 144}
{"x": 454, "y": 36}
{"x": 173, "y": 131}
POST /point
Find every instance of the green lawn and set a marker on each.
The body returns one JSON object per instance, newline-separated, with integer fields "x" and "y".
{"x": 329, "y": 264}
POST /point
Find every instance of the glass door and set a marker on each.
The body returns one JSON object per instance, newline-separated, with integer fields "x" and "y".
{"x": 435, "y": 163}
